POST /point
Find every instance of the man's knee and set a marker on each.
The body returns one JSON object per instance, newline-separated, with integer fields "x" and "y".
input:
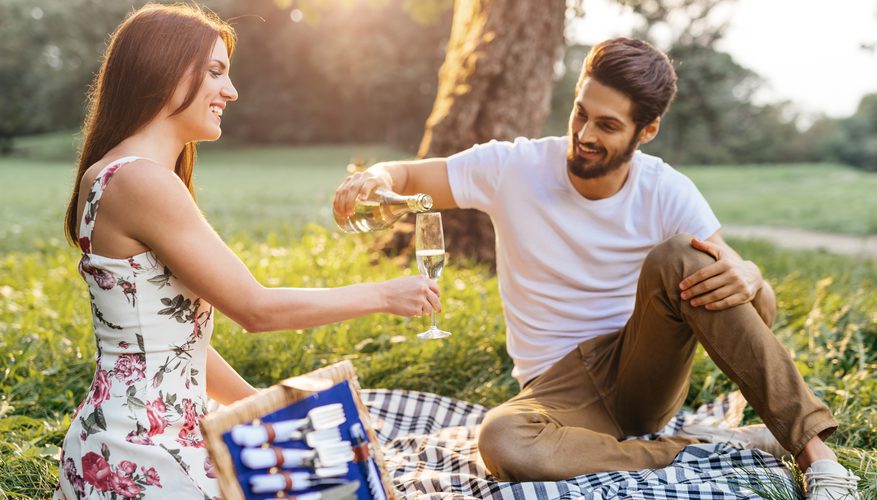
{"x": 670, "y": 249}
{"x": 675, "y": 255}
{"x": 505, "y": 443}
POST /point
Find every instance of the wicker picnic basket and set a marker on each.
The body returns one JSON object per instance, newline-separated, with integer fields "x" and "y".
{"x": 278, "y": 396}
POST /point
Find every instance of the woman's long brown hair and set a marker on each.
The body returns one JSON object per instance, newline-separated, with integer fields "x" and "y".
{"x": 147, "y": 57}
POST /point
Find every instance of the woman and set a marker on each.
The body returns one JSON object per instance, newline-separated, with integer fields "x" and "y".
{"x": 155, "y": 268}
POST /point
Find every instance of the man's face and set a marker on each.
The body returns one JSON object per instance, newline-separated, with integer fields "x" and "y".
{"x": 603, "y": 135}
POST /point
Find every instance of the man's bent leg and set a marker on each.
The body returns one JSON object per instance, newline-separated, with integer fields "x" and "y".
{"x": 559, "y": 427}
{"x": 657, "y": 346}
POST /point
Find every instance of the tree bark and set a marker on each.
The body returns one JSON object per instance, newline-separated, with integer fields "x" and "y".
{"x": 495, "y": 83}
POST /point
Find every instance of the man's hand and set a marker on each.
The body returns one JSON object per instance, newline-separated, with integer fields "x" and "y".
{"x": 359, "y": 186}
{"x": 728, "y": 282}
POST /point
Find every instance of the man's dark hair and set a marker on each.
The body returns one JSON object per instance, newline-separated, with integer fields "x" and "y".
{"x": 636, "y": 69}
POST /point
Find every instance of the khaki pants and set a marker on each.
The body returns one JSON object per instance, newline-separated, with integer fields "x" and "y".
{"x": 568, "y": 421}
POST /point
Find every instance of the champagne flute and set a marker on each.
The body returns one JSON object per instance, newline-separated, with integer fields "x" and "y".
{"x": 430, "y": 253}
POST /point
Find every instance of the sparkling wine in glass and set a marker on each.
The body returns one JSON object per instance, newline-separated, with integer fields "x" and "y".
{"x": 430, "y": 253}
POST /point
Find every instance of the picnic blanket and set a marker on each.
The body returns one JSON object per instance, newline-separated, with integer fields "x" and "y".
{"x": 430, "y": 447}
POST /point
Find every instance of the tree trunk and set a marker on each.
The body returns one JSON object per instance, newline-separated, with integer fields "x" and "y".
{"x": 495, "y": 83}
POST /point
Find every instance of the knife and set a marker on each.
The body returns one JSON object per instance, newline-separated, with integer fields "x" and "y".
{"x": 346, "y": 491}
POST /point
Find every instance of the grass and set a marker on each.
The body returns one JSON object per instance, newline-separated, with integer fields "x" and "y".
{"x": 294, "y": 186}
{"x": 831, "y": 198}
{"x": 251, "y": 191}
{"x": 258, "y": 200}
{"x": 47, "y": 344}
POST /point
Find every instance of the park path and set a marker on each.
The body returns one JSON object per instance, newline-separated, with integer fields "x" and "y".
{"x": 804, "y": 239}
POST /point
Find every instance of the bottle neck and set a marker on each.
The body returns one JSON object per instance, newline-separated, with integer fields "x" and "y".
{"x": 420, "y": 202}
{"x": 415, "y": 203}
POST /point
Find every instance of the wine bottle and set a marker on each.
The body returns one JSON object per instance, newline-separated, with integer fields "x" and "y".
{"x": 381, "y": 210}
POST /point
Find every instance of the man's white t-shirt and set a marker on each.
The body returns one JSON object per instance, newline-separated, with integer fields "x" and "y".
{"x": 568, "y": 266}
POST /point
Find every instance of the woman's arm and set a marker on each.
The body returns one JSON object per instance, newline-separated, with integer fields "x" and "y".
{"x": 151, "y": 205}
{"x": 224, "y": 384}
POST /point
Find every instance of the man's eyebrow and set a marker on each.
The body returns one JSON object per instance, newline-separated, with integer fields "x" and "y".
{"x": 610, "y": 119}
{"x": 604, "y": 118}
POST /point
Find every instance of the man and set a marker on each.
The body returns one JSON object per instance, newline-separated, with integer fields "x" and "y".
{"x": 611, "y": 270}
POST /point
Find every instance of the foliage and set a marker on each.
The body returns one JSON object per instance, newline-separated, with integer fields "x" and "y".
{"x": 423, "y": 11}
{"x": 563, "y": 95}
{"x": 359, "y": 71}
{"x": 50, "y": 50}
{"x": 713, "y": 119}
{"x": 853, "y": 140}
{"x": 687, "y": 22}
{"x": 365, "y": 70}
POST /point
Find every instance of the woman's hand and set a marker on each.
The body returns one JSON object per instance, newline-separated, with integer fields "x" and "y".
{"x": 411, "y": 296}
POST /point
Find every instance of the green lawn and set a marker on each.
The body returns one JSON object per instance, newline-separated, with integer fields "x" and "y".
{"x": 257, "y": 191}
{"x": 831, "y": 198}
{"x": 253, "y": 191}
{"x": 259, "y": 198}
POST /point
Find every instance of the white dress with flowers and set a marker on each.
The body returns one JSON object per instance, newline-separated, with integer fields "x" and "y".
{"x": 136, "y": 434}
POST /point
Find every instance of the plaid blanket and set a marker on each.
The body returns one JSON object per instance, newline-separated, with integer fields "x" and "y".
{"x": 429, "y": 443}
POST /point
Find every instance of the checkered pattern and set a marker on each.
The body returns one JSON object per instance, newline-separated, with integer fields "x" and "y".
{"x": 429, "y": 444}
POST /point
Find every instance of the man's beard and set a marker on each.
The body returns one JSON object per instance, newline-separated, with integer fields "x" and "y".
{"x": 576, "y": 164}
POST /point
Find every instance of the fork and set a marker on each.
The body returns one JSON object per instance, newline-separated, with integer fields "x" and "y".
{"x": 322, "y": 418}
{"x": 257, "y": 435}
{"x": 321, "y": 457}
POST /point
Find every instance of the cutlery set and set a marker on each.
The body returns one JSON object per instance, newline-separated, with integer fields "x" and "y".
{"x": 326, "y": 457}
{"x": 306, "y": 438}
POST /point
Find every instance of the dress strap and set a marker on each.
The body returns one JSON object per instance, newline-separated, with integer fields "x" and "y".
{"x": 89, "y": 213}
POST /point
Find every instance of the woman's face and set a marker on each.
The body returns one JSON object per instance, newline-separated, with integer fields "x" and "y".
{"x": 201, "y": 120}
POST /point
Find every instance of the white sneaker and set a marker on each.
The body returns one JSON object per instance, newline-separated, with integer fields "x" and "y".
{"x": 829, "y": 480}
{"x": 748, "y": 437}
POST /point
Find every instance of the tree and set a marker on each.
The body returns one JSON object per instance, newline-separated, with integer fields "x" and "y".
{"x": 49, "y": 52}
{"x": 856, "y": 144}
{"x": 339, "y": 70}
{"x": 688, "y": 22}
{"x": 713, "y": 119}
{"x": 495, "y": 83}
{"x": 354, "y": 70}
{"x": 712, "y": 114}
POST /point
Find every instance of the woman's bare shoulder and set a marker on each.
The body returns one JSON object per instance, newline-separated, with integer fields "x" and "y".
{"x": 137, "y": 187}
{"x": 145, "y": 189}
{"x": 139, "y": 164}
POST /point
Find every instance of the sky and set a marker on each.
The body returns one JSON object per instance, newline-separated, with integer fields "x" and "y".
{"x": 808, "y": 51}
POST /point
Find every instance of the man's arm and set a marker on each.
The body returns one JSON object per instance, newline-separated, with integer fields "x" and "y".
{"x": 404, "y": 177}
{"x": 729, "y": 282}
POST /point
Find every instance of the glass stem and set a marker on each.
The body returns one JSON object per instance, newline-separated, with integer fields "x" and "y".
{"x": 432, "y": 317}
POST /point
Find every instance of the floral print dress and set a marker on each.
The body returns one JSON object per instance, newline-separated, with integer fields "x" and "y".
{"x": 136, "y": 434}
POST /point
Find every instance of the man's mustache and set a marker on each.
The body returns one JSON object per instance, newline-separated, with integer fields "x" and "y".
{"x": 587, "y": 145}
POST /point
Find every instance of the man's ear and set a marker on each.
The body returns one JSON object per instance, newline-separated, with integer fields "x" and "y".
{"x": 650, "y": 131}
